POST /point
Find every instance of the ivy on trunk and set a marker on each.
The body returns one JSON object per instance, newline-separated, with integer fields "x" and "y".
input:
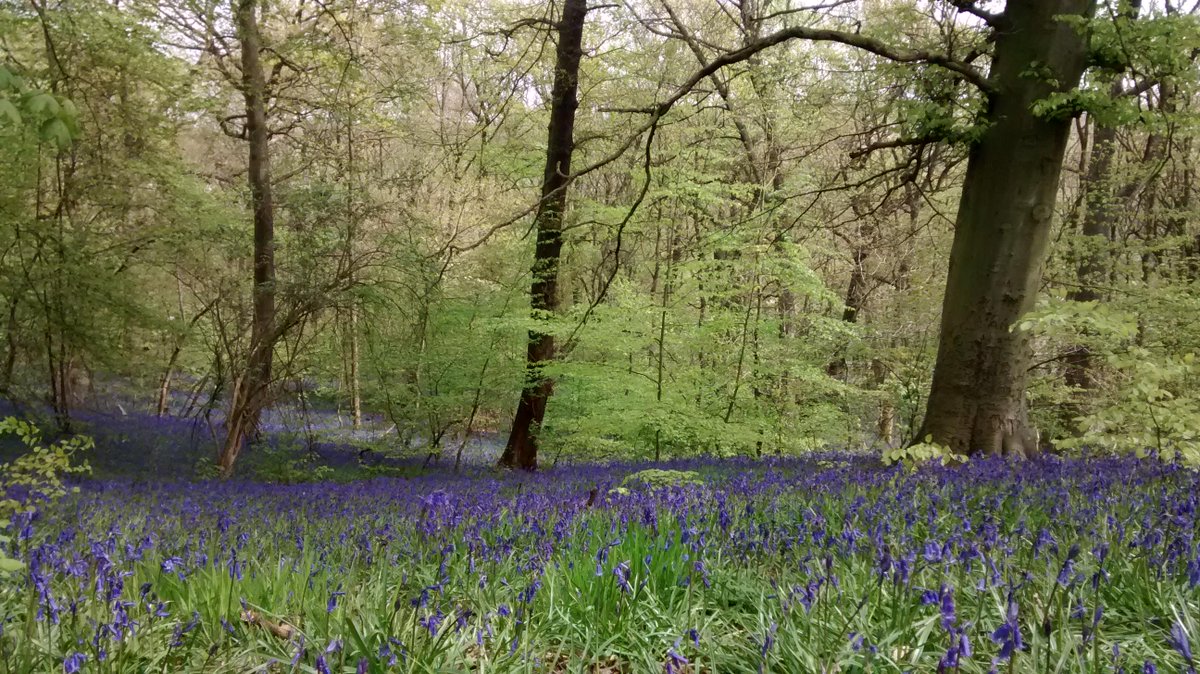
{"x": 521, "y": 449}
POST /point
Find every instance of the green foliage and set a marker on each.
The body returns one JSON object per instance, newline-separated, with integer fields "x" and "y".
{"x": 1155, "y": 45}
{"x": 1146, "y": 396}
{"x": 1155, "y": 409}
{"x": 53, "y": 117}
{"x": 922, "y": 452}
{"x": 1099, "y": 103}
{"x": 36, "y": 476}
{"x": 39, "y": 472}
{"x": 205, "y": 469}
{"x": 651, "y": 379}
{"x": 655, "y": 478}
{"x": 286, "y": 463}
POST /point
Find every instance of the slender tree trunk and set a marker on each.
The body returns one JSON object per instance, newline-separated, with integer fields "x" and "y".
{"x": 251, "y": 389}
{"x": 856, "y": 300}
{"x": 661, "y": 351}
{"x": 355, "y": 385}
{"x": 977, "y": 402}
{"x": 164, "y": 385}
{"x": 741, "y": 359}
{"x": 521, "y": 449}
{"x": 10, "y": 356}
{"x": 1099, "y": 214}
{"x": 352, "y": 366}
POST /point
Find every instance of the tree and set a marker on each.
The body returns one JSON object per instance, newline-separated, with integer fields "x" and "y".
{"x": 977, "y": 403}
{"x": 977, "y": 400}
{"x": 251, "y": 388}
{"x": 521, "y": 449}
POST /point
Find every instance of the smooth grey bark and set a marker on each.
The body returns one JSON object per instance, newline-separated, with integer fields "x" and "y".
{"x": 977, "y": 403}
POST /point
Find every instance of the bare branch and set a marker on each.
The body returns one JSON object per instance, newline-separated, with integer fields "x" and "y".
{"x": 895, "y": 143}
{"x": 856, "y": 40}
{"x": 968, "y": 7}
{"x": 659, "y": 110}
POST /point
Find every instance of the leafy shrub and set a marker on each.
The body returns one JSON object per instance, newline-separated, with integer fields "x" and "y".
{"x": 206, "y": 469}
{"x": 922, "y": 452}
{"x": 654, "y": 478}
{"x": 1144, "y": 367}
{"x": 287, "y": 465}
{"x": 37, "y": 475}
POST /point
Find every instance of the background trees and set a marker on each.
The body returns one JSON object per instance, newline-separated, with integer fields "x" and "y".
{"x": 757, "y": 267}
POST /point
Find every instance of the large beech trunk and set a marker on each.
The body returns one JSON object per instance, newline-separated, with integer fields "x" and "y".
{"x": 977, "y": 402}
{"x": 521, "y": 449}
{"x": 250, "y": 391}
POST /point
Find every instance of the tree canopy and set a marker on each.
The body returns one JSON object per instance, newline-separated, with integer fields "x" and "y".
{"x": 651, "y": 228}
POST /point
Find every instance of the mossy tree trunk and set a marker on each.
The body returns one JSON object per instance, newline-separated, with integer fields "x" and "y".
{"x": 521, "y": 449}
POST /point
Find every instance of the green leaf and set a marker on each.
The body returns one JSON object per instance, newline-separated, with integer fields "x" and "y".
{"x": 43, "y": 104}
{"x": 56, "y": 131}
{"x": 7, "y": 109}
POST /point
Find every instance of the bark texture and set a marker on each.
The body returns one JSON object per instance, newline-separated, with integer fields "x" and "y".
{"x": 521, "y": 449}
{"x": 977, "y": 402}
{"x": 251, "y": 389}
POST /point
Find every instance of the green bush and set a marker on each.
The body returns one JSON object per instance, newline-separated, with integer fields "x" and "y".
{"x": 287, "y": 464}
{"x": 36, "y": 475}
{"x": 655, "y": 478}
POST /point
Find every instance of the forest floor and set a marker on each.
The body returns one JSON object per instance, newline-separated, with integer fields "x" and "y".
{"x": 828, "y": 562}
{"x": 130, "y": 442}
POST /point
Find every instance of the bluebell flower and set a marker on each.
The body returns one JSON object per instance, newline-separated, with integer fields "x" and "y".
{"x": 73, "y": 663}
{"x": 331, "y": 605}
{"x": 1179, "y": 640}
{"x": 674, "y": 659}
{"x": 1008, "y": 634}
{"x": 948, "y": 609}
{"x": 621, "y": 573}
{"x": 765, "y": 645}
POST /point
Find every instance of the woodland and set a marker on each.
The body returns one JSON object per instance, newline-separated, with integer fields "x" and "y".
{"x": 642, "y": 230}
{"x": 599, "y": 336}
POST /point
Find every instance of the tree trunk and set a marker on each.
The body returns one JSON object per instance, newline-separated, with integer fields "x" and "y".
{"x": 977, "y": 401}
{"x": 10, "y": 356}
{"x": 1101, "y": 207}
{"x": 251, "y": 389}
{"x": 856, "y": 300}
{"x": 1099, "y": 214}
{"x": 355, "y": 384}
{"x": 164, "y": 385}
{"x": 522, "y": 446}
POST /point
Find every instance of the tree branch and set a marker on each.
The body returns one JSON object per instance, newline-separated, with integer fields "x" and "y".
{"x": 895, "y": 143}
{"x": 856, "y": 40}
{"x": 968, "y": 7}
{"x": 659, "y": 110}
